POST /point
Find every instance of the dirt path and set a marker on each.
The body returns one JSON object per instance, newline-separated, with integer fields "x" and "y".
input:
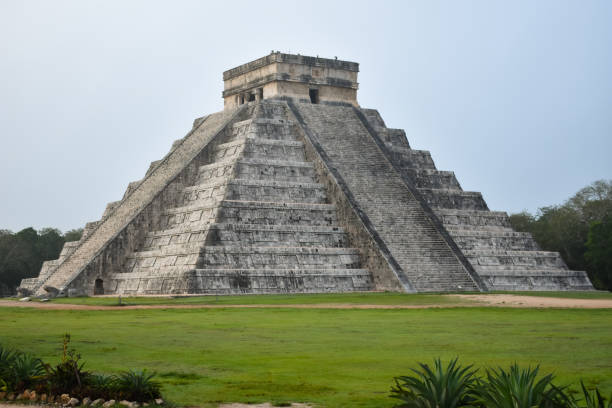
{"x": 473, "y": 300}
{"x": 67, "y": 306}
{"x": 538, "y": 302}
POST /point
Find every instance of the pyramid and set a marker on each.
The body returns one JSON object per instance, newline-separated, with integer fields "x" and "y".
{"x": 294, "y": 188}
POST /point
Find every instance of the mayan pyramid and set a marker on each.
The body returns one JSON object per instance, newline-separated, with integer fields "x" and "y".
{"x": 294, "y": 187}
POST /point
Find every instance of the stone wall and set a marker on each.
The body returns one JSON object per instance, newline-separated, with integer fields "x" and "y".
{"x": 120, "y": 231}
{"x": 383, "y": 199}
{"x": 291, "y": 76}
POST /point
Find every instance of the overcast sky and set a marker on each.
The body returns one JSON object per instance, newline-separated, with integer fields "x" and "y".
{"x": 515, "y": 97}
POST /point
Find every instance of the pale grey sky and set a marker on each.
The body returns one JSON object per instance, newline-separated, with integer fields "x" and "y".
{"x": 515, "y": 97}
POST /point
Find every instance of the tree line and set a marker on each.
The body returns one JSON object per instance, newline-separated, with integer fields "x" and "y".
{"x": 22, "y": 253}
{"x": 580, "y": 229}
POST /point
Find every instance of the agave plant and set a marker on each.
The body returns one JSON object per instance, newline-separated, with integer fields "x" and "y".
{"x": 443, "y": 386}
{"x": 101, "y": 386}
{"x": 25, "y": 371}
{"x": 7, "y": 358}
{"x": 519, "y": 388}
{"x": 591, "y": 399}
{"x": 137, "y": 385}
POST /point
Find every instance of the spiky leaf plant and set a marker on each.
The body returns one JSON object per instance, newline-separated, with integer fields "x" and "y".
{"x": 7, "y": 357}
{"x": 137, "y": 385}
{"x": 519, "y": 388}
{"x": 590, "y": 399}
{"x": 440, "y": 386}
{"x": 100, "y": 386}
{"x": 25, "y": 371}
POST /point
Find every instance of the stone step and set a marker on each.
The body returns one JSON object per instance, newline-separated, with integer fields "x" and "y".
{"x": 228, "y": 150}
{"x": 167, "y": 250}
{"x": 254, "y": 257}
{"x": 454, "y": 199}
{"x": 490, "y": 268}
{"x": 410, "y": 158}
{"x": 274, "y": 129}
{"x": 466, "y": 219}
{"x": 179, "y": 255}
{"x": 393, "y": 137}
{"x": 268, "y": 213}
{"x": 217, "y": 172}
{"x": 242, "y": 281}
{"x": 258, "y": 169}
{"x": 190, "y": 214}
{"x": 425, "y": 178}
{"x": 132, "y": 186}
{"x": 496, "y": 259}
{"x": 281, "y": 170}
{"x": 253, "y": 190}
{"x": 276, "y": 191}
{"x": 208, "y": 193}
{"x": 89, "y": 228}
{"x": 110, "y": 207}
{"x": 476, "y": 228}
{"x": 180, "y": 234}
{"x": 259, "y": 148}
{"x": 277, "y": 235}
{"x": 374, "y": 118}
{"x": 499, "y": 240}
{"x": 536, "y": 279}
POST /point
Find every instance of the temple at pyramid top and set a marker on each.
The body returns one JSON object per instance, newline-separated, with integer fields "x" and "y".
{"x": 298, "y": 77}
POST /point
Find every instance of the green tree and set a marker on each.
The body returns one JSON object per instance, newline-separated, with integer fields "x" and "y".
{"x": 522, "y": 221}
{"x": 73, "y": 234}
{"x": 565, "y": 228}
{"x": 22, "y": 253}
{"x": 599, "y": 252}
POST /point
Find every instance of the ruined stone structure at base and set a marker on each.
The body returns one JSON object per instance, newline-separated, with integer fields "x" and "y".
{"x": 294, "y": 188}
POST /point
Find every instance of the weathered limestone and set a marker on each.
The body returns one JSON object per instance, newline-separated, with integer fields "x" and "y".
{"x": 502, "y": 258}
{"x": 298, "y": 191}
{"x": 301, "y": 78}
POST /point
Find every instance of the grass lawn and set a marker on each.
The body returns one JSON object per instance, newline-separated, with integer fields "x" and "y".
{"x": 336, "y": 358}
{"x": 386, "y": 298}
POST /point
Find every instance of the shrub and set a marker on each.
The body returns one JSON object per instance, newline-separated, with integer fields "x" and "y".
{"x": 519, "y": 388}
{"x": 591, "y": 399}
{"x": 68, "y": 376}
{"x": 25, "y": 371}
{"x": 101, "y": 386}
{"x": 7, "y": 357}
{"x": 447, "y": 386}
{"x": 137, "y": 386}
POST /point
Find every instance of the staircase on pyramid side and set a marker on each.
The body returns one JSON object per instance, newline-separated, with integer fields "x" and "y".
{"x": 505, "y": 259}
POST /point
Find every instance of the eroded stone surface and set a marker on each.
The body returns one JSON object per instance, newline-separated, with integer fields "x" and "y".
{"x": 289, "y": 195}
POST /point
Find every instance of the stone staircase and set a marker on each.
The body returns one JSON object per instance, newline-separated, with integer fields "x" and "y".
{"x": 503, "y": 258}
{"x": 256, "y": 221}
{"x": 424, "y": 257}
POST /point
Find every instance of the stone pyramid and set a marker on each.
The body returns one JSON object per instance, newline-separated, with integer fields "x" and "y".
{"x": 293, "y": 188}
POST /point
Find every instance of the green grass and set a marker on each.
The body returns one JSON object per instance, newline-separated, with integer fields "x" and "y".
{"x": 386, "y": 298}
{"x": 380, "y": 298}
{"x": 336, "y": 358}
